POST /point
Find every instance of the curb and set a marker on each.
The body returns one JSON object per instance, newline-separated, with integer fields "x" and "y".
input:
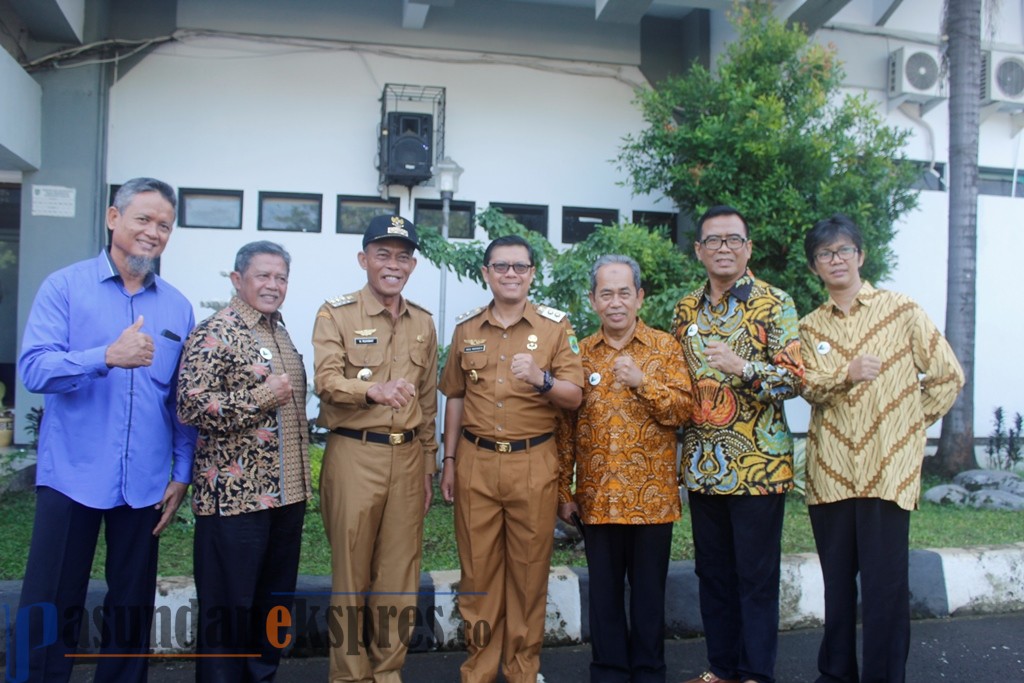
{"x": 946, "y": 582}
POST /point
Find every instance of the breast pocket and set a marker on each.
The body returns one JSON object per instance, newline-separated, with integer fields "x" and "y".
{"x": 474, "y": 367}
{"x": 360, "y": 357}
{"x": 166, "y": 356}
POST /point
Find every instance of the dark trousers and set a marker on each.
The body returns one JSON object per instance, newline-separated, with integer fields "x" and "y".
{"x": 245, "y": 566}
{"x": 737, "y": 545}
{"x": 639, "y": 553}
{"x": 868, "y": 536}
{"x": 60, "y": 558}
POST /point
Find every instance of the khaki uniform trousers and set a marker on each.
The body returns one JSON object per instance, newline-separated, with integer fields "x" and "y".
{"x": 371, "y": 498}
{"x": 505, "y": 506}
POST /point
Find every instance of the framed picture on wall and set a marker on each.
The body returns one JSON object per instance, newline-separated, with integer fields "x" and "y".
{"x": 290, "y": 211}
{"x": 201, "y": 208}
{"x": 355, "y": 213}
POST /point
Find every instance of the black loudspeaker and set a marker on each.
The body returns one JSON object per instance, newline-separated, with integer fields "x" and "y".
{"x": 408, "y": 148}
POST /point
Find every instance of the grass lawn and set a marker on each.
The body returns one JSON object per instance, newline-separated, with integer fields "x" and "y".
{"x": 932, "y": 526}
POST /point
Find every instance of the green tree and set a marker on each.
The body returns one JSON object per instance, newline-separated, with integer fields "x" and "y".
{"x": 772, "y": 134}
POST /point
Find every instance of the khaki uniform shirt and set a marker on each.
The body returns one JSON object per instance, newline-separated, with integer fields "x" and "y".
{"x": 866, "y": 440}
{"x": 497, "y": 405}
{"x": 355, "y": 333}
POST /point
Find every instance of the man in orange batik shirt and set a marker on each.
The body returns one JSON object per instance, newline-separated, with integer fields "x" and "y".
{"x": 622, "y": 444}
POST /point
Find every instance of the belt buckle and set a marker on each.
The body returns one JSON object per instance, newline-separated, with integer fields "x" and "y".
{"x": 503, "y": 446}
{"x": 396, "y": 439}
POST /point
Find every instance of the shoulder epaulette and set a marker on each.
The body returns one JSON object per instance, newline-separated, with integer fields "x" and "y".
{"x": 422, "y": 308}
{"x": 469, "y": 314}
{"x": 551, "y": 313}
{"x": 342, "y": 300}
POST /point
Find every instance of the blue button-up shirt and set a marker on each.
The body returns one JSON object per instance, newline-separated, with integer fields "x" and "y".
{"x": 110, "y": 436}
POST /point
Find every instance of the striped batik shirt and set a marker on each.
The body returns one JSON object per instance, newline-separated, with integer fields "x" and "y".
{"x": 866, "y": 440}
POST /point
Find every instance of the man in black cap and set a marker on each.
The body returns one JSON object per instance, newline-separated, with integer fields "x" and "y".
{"x": 375, "y": 371}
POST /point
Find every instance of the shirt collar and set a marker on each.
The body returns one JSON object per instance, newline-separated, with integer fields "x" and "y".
{"x": 865, "y": 296}
{"x": 530, "y": 315}
{"x": 251, "y": 317}
{"x": 641, "y": 333}
{"x": 107, "y": 269}
{"x": 373, "y": 306}
{"x": 740, "y": 289}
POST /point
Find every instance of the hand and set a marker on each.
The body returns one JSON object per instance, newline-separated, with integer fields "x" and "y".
{"x": 864, "y": 368}
{"x": 173, "y": 495}
{"x": 133, "y": 349}
{"x": 565, "y": 511}
{"x": 397, "y": 393}
{"x": 525, "y": 368}
{"x": 428, "y": 493}
{"x": 281, "y": 386}
{"x": 448, "y": 481}
{"x": 722, "y": 358}
{"x": 627, "y": 372}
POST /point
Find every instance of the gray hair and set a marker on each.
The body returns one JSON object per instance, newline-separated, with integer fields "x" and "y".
{"x": 245, "y": 254}
{"x": 126, "y": 193}
{"x": 609, "y": 259}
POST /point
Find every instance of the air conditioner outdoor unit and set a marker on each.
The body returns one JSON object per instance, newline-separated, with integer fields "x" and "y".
{"x": 914, "y": 75}
{"x": 1002, "y": 79}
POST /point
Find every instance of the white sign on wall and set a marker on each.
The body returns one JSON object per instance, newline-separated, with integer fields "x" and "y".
{"x": 53, "y": 200}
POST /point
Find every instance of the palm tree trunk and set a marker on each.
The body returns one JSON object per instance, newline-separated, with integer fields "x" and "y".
{"x": 963, "y": 27}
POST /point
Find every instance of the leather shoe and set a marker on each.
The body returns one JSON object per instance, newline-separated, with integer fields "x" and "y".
{"x": 708, "y": 677}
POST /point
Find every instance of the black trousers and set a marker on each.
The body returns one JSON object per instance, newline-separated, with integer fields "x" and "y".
{"x": 870, "y": 537}
{"x": 245, "y": 566}
{"x": 639, "y": 553}
{"x": 737, "y": 545}
{"x": 53, "y": 593}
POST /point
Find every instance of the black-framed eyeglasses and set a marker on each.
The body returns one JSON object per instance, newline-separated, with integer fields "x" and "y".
{"x": 500, "y": 267}
{"x": 845, "y": 252}
{"x": 714, "y": 242}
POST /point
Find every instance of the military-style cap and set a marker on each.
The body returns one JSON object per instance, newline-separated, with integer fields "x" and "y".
{"x": 391, "y": 227}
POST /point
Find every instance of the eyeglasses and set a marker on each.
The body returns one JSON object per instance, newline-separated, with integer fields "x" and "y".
{"x": 500, "y": 267}
{"x": 714, "y": 242}
{"x": 846, "y": 253}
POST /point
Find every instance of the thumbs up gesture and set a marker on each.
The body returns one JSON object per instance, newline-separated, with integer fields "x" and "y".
{"x": 133, "y": 349}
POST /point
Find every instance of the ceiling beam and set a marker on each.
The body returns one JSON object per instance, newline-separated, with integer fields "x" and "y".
{"x": 813, "y": 14}
{"x": 414, "y": 14}
{"x": 621, "y": 11}
{"x": 883, "y": 10}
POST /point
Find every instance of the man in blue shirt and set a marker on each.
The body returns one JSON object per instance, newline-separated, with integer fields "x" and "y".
{"x": 102, "y": 342}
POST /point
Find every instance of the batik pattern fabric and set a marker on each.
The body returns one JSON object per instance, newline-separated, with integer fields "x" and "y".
{"x": 738, "y": 441}
{"x": 866, "y": 440}
{"x": 621, "y": 443}
{"x": 251, "y": 453}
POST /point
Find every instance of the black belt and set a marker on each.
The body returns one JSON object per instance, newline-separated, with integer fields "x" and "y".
{"x": 505, "y": 446}
{"x": 393, "y": 439}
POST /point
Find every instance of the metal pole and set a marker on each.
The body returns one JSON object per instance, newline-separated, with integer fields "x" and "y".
{"x": 446, "y": 199}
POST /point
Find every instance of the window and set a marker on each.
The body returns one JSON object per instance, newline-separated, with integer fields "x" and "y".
{"x": 531, "y": 216}
{"x": 578, "y": 223}
{"x": 1000, "y": 182}
{"x": 658, "y": 219}
{"x": 461, "y": 217}
{"x": 210, "y": 208}
{"x": 932, "y": 176}
{"x": 290, "y": 211}
{"x": 355, "y": 213}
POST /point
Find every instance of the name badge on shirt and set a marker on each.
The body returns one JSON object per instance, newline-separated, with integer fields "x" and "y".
{"x": 365, "y": 340}
{"x": 475, "y": 348}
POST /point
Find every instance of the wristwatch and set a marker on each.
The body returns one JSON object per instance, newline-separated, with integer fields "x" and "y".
{"x": 549, "y": 383}
{"x": 748, "y": 371}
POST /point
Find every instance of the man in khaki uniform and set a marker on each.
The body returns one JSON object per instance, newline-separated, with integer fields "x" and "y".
{"x": 375, "y": 360}
{"x": 511, "y": 367}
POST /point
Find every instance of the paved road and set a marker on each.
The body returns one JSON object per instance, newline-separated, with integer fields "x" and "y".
{"x": 960, "y": 650}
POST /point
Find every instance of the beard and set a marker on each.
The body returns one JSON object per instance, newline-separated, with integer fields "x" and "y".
{"x": 139, "y": 265}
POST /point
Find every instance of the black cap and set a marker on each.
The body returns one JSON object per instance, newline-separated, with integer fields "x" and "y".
{"x": 391, "y": 228}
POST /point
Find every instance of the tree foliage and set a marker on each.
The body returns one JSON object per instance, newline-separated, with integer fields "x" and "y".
{"x": 772, "y": 134}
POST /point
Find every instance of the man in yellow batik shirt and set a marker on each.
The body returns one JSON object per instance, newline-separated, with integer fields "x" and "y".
{"x": 878, "y": 372}
{"x": 622, "y": 444}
